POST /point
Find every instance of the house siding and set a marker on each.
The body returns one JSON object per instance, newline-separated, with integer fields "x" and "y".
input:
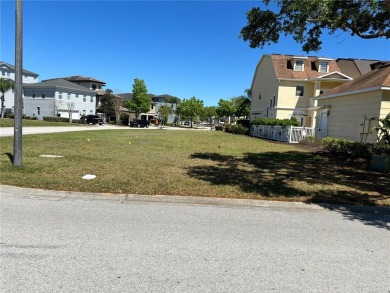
{"x": 265, "y": 81}
{"x": 360, "y": 108}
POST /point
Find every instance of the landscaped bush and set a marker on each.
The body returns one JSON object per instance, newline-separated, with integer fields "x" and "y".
{"x": 236, "y": 129}
{"x": 62, "y": 119}
{"x": 349, "y": 148}
{"x": 312, "y": 141}
{"x": 275, "y": 122}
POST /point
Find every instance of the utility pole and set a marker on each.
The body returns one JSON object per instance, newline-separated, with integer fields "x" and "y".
{"x": 17, "y": 159}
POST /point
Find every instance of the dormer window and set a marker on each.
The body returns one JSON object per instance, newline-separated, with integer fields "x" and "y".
{"x": 298, "y": 66}
{"x": 324, "y": 67}
{"x": 94, "y": 86}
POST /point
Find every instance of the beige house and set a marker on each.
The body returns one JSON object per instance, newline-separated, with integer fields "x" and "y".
{"x": 285, "y": 86}
{"x": 346, "y": 111}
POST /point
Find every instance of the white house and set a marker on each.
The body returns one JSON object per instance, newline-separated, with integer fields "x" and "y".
{"x": 58, "y": 96}
{"x": 8, "y": 71}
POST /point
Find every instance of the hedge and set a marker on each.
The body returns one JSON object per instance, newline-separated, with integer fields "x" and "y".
{"x": 349, "y": 148}
{"x": 275, "y": 122}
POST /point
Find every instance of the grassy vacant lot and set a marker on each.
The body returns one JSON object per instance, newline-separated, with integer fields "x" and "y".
{"x": 201, "y": 163}
{"x": 7, "y": 122}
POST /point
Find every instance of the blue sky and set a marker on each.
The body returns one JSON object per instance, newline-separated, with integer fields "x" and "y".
{"x": 182, "y": 48}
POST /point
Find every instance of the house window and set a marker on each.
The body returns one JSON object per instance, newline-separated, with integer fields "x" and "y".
{"x": 77, "y": 95}
{"x": 60, "y": 96}
{"x": 298, "y": 65}
{"x": 3, "y": 73}
{"x": 84, "y": 112}
{"x": 94, "y": 86}
{"x": 8, "y": 74}
{"x": 324, "y": 66}
{"x": 84, "y": 99}
{"x": 299, "y": 90}
{"x": 43, "y": 95}
{"x": 260, "y": 95}
{"x": 91, "y": 100}
{"x": 68, "y": 96}
{"x": 39, "y": 110}
{"x": 33, "y": 95}
{"x": 91, "y": 111}
{"x": 273, "y": 101}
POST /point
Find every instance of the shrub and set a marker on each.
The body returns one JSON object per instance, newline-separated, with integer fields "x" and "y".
{"x": 219, "y": 128}
{"x": 348, "y": 148}
{"x": 312, "y": 141}
{"x": 55, "y": 119}
{"x": 236, "y": 129}
{"x": 275, "y": 122}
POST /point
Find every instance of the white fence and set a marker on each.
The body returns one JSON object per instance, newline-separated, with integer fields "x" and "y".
{"x": 283, "y": 133}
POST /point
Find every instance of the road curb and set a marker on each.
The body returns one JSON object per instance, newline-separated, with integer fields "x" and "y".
{"x": 177, "y": 199}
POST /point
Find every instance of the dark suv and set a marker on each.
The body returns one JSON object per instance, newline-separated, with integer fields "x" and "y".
{"x": 139, "y": 123}
{"x": 93, "y": 119}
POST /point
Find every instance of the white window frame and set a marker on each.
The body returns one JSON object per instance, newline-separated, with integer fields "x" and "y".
{"x": 300, "y": 67}
{"x": 323, "y": 67}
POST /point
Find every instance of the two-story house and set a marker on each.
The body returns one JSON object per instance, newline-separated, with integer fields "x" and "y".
{"x": 157, "y": 101}
{"x": 90, "y": 83}
{"x": 8, "y": 71}
{"x": 284, "y": 86}
{"x": 58, "y": 96}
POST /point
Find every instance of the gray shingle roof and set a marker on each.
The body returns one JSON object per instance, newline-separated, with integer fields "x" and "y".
{"x": 58, "y": 83}
{"x": 24, "y": 70}
{"x": 83, "y": 78}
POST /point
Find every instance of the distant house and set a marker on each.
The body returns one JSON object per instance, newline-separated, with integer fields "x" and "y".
{"x": 346, "y": 111}
{"x": 54, "y": 97}
{"x": 8, "y": 71}
{"x": 157, "y": 101}
{"x": 89, "y": 83}
{"x": 284, "y": 86}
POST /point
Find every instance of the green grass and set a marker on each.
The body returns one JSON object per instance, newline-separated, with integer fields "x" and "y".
{"x": 8, "y": 122}
{"x": 193, "y": 163}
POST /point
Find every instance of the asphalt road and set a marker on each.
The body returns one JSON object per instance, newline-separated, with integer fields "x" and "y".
{"x": 73, "y": 242}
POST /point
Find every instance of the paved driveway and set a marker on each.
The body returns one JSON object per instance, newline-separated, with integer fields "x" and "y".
{"x": 9, "y": 131}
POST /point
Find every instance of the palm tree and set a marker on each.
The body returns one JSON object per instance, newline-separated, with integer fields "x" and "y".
{"x": 5, "y": 85}
{"x": 245, "y": 103}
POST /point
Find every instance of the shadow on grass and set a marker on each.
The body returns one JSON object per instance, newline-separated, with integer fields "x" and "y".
{"x": 10, "y": 157}
{"x": 287, "y": 175}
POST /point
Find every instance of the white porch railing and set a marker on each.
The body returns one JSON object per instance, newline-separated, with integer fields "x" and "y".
{"x": 288, "y": 134}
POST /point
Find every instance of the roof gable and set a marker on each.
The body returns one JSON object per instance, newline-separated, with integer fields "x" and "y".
{"x": 335, "y": 75}
{"x": 374, "y": 80}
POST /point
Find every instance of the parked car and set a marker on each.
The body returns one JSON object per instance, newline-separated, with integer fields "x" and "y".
{"x": 93, "y": 119}
{"x": 139, "y": 123}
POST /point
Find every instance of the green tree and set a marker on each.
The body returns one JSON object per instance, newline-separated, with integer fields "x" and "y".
{"x": 209, "y": 113}
{"x": 243, "y": 104}
{"x": 141, "y": 100}
{"x": 5, "y": 85}
{"x": 164, "y": 112}
{"x": 107, "y": 104}
{"x": 226, "y": 109}
{"x": 306, "y": 20}
{"x": 190, "y": 109}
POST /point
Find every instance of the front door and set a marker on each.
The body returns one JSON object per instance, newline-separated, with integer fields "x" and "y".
{"x": 324, "y": 124}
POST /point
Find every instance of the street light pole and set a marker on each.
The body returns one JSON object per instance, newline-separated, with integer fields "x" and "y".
{"x": 18, "y": 104}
